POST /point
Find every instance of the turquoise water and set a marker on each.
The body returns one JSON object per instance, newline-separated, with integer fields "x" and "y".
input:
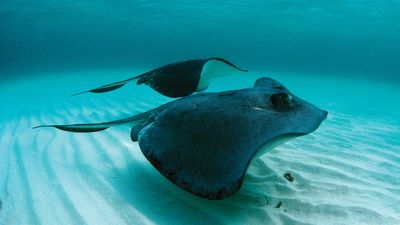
{"x": 342, "y": 37}
{"x": 342, "y": 56}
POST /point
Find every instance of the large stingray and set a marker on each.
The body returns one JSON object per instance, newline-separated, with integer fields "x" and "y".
{"x": 204, "y": 143}
{"x": 178, "y": 79}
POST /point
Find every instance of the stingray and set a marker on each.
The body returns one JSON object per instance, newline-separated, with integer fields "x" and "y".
{"x": 178, "y": 79}
{"x": 204, "y": 143}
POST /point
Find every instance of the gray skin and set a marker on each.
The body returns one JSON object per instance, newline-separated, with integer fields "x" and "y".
{"x": 204, "y": 143}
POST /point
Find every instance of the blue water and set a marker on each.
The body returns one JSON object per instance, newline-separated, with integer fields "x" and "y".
{"x": 342, "y": 37}
{"x": 342, "y": 56}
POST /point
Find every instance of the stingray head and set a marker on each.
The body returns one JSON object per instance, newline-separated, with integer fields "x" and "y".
{"x": 283, "y": 111}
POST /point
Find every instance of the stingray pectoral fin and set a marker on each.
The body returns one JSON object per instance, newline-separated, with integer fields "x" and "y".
{"x": 228, "y": 63}
{"x": 198, "y": 155}
{"x": 110, "y": 87}
{"x": 196, "y": 166}
{"x": 213, "y": 68}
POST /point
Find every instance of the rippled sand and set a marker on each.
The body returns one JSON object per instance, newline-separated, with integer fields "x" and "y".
{"x": 347, "y": 172}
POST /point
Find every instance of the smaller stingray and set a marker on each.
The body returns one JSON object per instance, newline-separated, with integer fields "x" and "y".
{"x": 204, "y": 143}
{"x": 178, "y": 79}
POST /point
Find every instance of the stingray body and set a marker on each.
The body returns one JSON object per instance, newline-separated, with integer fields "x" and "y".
{"x": 204, "y": 143}
{"x": 178, "y": 79}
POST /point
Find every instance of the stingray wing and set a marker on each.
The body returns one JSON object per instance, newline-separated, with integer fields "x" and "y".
{"x": 203, "y": 152}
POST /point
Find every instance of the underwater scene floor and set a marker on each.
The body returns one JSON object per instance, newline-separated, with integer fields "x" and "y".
{"x": 346, "y": 172}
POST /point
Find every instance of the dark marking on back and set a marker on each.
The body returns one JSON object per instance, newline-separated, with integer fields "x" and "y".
{"x": 282, "y": 101}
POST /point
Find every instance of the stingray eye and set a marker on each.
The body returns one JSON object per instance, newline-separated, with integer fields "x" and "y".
{"x": 281, "y": 99}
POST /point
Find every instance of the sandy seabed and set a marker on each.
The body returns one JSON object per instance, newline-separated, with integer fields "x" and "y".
{"x": 347, "y": 172}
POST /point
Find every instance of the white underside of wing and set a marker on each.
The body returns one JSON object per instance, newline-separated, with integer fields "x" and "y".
{"x": 271, "y": 145}
{"x": 211, "y": 69}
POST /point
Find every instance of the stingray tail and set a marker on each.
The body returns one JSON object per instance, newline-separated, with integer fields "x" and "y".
{"x": 94, "y": 127}
{"x": 110, "y": 87}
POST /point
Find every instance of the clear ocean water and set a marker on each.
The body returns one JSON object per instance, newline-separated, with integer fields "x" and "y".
{"x": 342, "y": 56}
